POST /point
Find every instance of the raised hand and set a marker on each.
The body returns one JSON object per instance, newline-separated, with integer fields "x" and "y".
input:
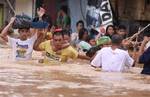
{"x": 12, "y": 20}
{"x": 40, "y": 12}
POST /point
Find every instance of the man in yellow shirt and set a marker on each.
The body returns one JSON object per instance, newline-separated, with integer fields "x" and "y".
{"x": 68, "y": 52}
{"x": 56, "y": 49}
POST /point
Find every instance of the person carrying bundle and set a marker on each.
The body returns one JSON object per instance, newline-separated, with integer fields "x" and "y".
{"x": 22, "y": 46}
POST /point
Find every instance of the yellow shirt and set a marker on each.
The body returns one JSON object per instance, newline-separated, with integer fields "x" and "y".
{"x": 67, "y": 53}
{"x": 51, "y": 56}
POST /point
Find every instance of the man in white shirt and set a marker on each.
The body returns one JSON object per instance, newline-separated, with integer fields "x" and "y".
{"x": 113, "y": 59}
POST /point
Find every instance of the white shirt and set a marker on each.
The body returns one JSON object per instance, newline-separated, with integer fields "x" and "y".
{"x": 22, "y": 50}
{"x": 74, "y": 36}
{"x": 112, "y": 60}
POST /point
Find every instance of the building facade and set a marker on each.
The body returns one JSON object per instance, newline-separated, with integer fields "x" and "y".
{"x": 19, "y": 6}
{"x": 5, "y": 11}
{"x": 125, "y": 11}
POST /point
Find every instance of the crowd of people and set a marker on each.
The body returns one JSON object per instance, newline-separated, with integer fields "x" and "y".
{"x": 56, "y": 42}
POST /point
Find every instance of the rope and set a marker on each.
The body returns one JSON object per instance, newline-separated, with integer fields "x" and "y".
{"x": 136, "y": 34}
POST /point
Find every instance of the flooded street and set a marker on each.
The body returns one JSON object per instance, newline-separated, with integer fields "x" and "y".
{"x": 31, "y": 79}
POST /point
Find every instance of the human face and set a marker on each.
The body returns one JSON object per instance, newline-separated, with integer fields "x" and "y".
{"x": 92, "y": 42}
{"x": 24, "y": 34}
{"x": 66, "y": 39}
{"x": 57, "y": 41}
{"x": 79, "y": 26}
{"x": 122, "y": 32}
{"x": 85, "y": 36}
{"x": 110, "y": 31}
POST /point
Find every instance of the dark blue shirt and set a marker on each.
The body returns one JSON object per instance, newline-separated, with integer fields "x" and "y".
{"x": 145, "y": 59}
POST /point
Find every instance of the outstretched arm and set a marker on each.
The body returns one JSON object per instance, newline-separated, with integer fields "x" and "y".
{"x": 40, "y": 12}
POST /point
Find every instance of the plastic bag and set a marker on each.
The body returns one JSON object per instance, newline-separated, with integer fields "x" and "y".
{"x": 22, "y": 22}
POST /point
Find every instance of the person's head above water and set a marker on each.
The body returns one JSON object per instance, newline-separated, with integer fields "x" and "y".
{"x": 116, "y": 40}
{"x": 110, "y": 30}
{"x": 122, "y": 30}
{"x": 83, "y": 34}
{"x": 66, "y": 36}
{"x": 80, "y": 25}
{"x": 23, "y": 24}
{"x": 24, "y": 33}
{"x": 57, "y": 38}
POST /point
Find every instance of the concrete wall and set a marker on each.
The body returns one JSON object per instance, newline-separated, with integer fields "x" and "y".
{"x": 132, "y": 9}
{"x": 76, "y": 12}
{"x": 24, "y": 6}
{"x": 7, "y": 11}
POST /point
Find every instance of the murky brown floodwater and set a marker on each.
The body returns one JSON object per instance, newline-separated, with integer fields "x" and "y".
{"x": 30, "y": 79}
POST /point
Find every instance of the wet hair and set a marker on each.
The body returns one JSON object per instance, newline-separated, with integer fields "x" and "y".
{"x": 82, "y": 32}
{"x": 121, "y": 27}
{"x": 80, "y": 22}
{"x": 116, "y": 39}
{"x": 64, "y": 8}
{"x": 57, "y": 33}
